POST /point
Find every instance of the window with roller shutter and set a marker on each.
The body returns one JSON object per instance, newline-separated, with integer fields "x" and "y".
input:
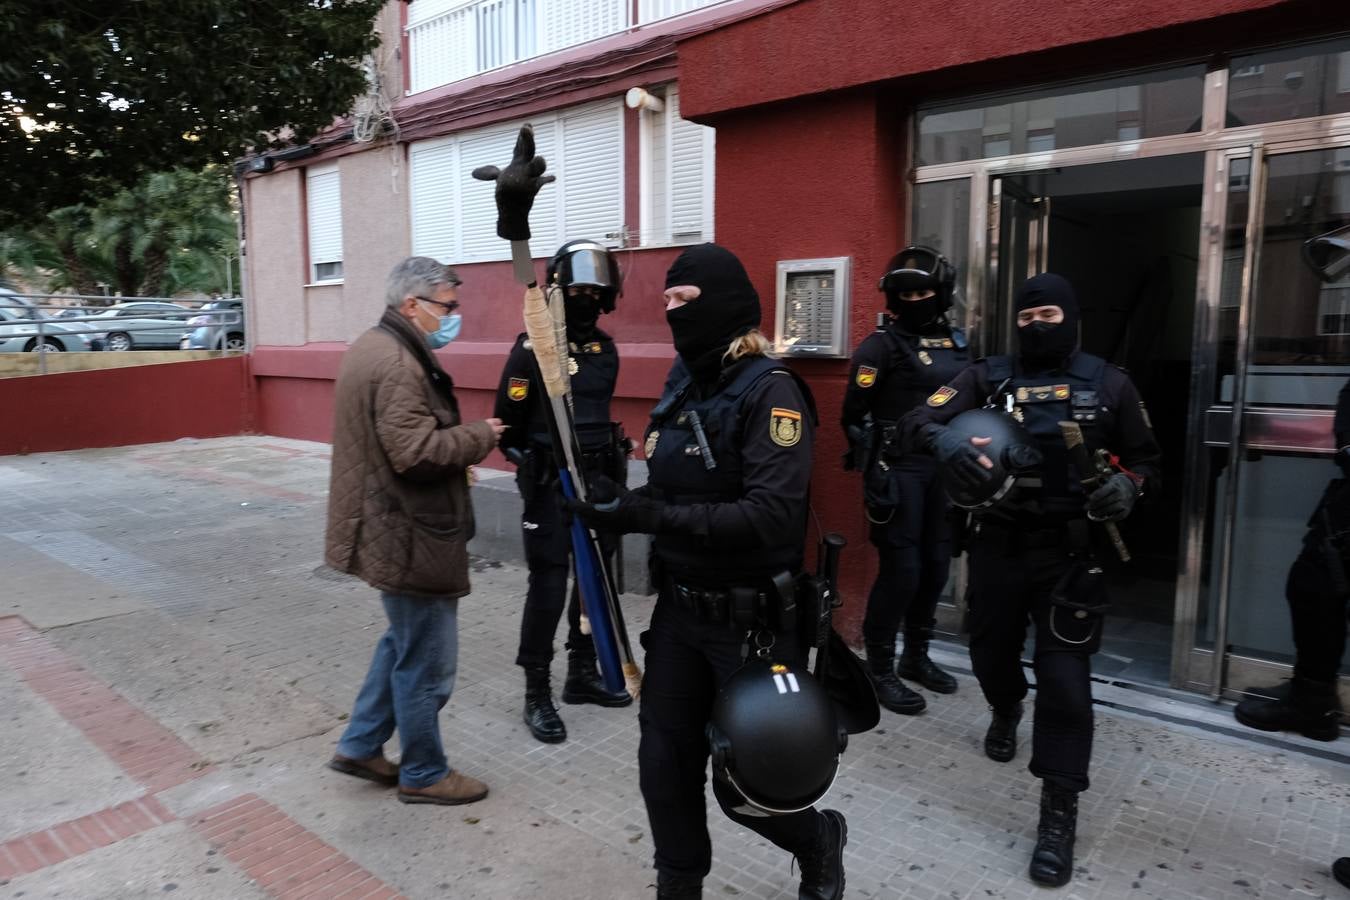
{"x": 678, "y": 166}
{"x": 323, "y": 208}
{"x": 454, "y": 217}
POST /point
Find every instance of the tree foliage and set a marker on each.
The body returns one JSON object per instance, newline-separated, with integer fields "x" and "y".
{"x": 96, "y": 93}
{"x": 167, "y": 234}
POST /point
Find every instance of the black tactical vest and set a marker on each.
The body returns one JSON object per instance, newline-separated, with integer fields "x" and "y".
{"x": 1040, "y": 402}
{"x": 919, "y": 365}
{"x": 677, "y": 473}
{"x": 592, "y": 389}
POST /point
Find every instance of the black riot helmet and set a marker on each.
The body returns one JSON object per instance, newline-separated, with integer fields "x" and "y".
{"x": 1012, "y": 450}
{"x": 774, "y": 737}
{"x": 917, "y": 268}
{"x": 587, "y": 263}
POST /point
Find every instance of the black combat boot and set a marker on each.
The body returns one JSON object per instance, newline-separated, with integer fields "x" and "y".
{"x": 1340, "y": 870}
{"x": 916, "y": 666}
{"x": 1308, "y": 707}
{"x": 678, "y": 887}
{"x": 540, "y": 714}
{"x": 1000, "y": 741}
{"x": 823, "y": 865}
{"x": 584, "y": 684}
{"x": 1052, "y": 860}
{"x": 891, "y": 691}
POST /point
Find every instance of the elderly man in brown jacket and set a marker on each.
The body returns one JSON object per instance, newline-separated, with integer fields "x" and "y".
{"x": 399, "y": 518}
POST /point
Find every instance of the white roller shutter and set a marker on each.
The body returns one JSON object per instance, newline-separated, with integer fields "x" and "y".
{"x": 454, "y": 216}
{"x": 679, "y": 165}
{"x": 570, "y": 22}
{"x": 433, "y": 187}
{"x": 691, "y": 176}
{"x": 323, "y": 192}
{"x": 592, "y": 162}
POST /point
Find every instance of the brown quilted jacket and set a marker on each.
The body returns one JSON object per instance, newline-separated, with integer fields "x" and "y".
{"x": 399, "y": 515}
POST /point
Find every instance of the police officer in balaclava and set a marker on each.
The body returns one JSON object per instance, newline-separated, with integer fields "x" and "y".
{"x": 1032, "y": 554}
{"x": 914, "y": 351}
{"x": 729, "y": 451}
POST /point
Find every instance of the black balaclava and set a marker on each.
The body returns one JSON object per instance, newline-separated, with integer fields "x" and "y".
{"x": 582, "y": 315}
{"x": 1043, "y": 345}
{"x": 917, "y": 316}
{"x": 727, "y": 307}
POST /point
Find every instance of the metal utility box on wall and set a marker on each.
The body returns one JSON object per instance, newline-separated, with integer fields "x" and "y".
{"x": 812, "y": 314}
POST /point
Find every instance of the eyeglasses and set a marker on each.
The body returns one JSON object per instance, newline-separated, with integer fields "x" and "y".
{"x": 448, "y": 307}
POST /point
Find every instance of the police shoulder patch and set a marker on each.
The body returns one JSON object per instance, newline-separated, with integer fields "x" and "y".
{"x": 941, "y": 396}
{"x": 785, "y": 426}
{"x": 866, "y": 377}
{"x": 518, "y": 388}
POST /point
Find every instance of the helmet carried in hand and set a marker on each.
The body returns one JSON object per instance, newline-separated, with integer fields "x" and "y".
{"x": 774, "y": 737}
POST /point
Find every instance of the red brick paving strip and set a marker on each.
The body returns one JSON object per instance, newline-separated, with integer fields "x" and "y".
{"x": 140, "y": 746}
{"x": 50, "y": 846}
{"x": 284, "y": 858}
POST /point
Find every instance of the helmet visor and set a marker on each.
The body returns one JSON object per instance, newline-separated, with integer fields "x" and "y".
{"x": 588, "y": 267}
{"x": 917, "y": 271}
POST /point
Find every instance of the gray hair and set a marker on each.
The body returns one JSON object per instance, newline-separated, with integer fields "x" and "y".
{"x": 417, "y": 276}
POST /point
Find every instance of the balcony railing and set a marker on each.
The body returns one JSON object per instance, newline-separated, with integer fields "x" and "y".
{"x": 450, "y": 39}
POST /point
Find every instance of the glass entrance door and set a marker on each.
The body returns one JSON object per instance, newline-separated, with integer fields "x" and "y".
{"x": 1281, "y": 356}
{"x": 1018, "y": 248}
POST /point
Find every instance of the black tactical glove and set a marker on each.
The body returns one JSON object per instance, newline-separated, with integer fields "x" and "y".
{"x": 614, "y": 508}
{"x": 516, "y": 186}
{"x": 1113, "y": 500}
{"x": 959, "y": 457}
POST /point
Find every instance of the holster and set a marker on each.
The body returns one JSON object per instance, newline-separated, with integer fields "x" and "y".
{"x": 1081, "y": 587}
{"x": 530, "y": 477}
{"x": 860, "y": 446}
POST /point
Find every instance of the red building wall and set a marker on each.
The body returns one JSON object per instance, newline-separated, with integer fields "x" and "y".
{"x": 815, "y": 178}
{"x": 817, "y": 46}
{"x": 133, "y": 405}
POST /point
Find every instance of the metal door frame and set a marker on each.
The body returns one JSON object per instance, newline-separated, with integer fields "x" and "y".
{"x": 1193, "y": 668}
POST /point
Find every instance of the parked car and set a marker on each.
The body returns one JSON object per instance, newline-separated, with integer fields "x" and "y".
{"x": 141, "y": 325}
{"x": 219, "y": 327}
{"x": 20, "y": 336}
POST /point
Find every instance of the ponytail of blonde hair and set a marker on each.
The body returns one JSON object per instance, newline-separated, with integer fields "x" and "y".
{"x": 752, "y": 343}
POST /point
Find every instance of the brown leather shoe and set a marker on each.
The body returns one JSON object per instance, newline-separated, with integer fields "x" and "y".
{"x": 452, "y": 790}
{"x": 376, "y": 769}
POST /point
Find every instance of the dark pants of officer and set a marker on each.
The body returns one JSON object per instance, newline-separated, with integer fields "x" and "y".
{"x": 548, "y": 553}
{"x": 687, "y": 659}
{"x": 1012, "y": 575}
{"x": 1317, "y": 611}
{"x": 913, "y": 542}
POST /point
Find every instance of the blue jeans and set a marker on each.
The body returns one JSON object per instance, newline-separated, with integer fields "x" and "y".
{"x": 410, "y": 679}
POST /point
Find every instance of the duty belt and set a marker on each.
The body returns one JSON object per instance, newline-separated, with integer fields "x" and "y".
{"x": 742, "y": 606}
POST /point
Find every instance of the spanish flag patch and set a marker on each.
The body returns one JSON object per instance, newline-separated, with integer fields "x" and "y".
{"x": 941, "y": 396}
{"x": 866, "y": 377}
{"x": 518, "y": 388}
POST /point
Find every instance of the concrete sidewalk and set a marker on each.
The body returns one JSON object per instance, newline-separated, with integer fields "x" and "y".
{"x": 176, "y": 664}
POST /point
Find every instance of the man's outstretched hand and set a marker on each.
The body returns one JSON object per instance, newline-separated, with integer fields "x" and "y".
{"x": 516, "y": 186}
